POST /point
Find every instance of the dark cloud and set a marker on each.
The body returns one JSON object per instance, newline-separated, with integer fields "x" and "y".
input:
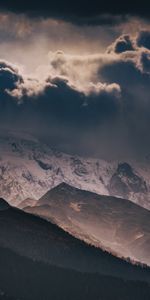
{"x": 145, "y": 62}
{"x": 9, "y": 76}
{"x": 132, "y": 73}
{"x": 143, "y": 39}
{"x": 122, "y": 44}
{"x": 130, "y": 69}
{"x": 55, "y": 109}
{"x": 109, "y": 115}
{"x": 81, "y": 12}
{"x": 59, "y": 100}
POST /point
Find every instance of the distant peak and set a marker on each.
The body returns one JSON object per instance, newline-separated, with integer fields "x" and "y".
{"x": 3, "y": 204}
{"x": 64, "y": 186}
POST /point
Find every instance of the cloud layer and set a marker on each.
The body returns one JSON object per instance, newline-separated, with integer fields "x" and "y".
{"x": 95, "y": 104}
{"x": 80, "y": 12}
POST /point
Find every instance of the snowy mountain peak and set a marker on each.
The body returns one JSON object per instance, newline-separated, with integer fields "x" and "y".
{"x": 28, "y": 169}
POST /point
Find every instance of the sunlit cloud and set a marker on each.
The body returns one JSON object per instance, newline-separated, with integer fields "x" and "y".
{"x": 84, "y": 87}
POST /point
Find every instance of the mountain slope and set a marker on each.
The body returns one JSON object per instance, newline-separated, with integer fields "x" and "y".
{"x": 116, "y": 225}
{"x": 28, "y": 169}
{"x": 3, "y": 204}
{"x": 25, "y": 279}
{"x": 40, "y": 261}
{"x": 34, "y": 238}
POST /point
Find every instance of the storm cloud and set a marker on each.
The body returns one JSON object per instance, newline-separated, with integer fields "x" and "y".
{"x": 143, "y": 39}
{"x": 122, "y": 44}
{"x": 56, "y": 101}
{"x": 94, "y": 104}
{"x": 80, "y": 12}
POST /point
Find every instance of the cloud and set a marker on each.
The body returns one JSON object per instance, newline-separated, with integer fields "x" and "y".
{"x": 80, "y": 69}
{"x": 9, "y": 76}
{"x": 145, "y": 62}
{"x": 79, "y": 12}
{"x": 143, "y": 39}
{"x": 58, "y": 97}
{"x": 23, "y": 37}
{"x": 122, "y": 44}
{"x": 55, "y": 107}
{"x": 132, "y": 72}
{"x": 128, "y": 70}
{"x": 92, "y": 103}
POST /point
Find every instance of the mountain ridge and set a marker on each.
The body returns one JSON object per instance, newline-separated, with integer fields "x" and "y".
{"x": 65, "y": 187}
{"x": 3, "y": 204}
{"x": 29, "y": 168}
{"x": 113, "y": 224}
{"x": 40, "y": 240}
{"x": 38, "y": 281}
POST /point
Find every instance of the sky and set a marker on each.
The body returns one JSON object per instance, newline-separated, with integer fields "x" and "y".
{"x": 77, "y": 76}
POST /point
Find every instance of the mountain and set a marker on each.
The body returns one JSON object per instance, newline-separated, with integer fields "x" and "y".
{"x": 40, "y": 261}
{"x": 113, "y": 224}
{"x": 3, "y": 204}
{"x": 28, "y": 169}
{"x": 24, "y": 279}
{"x": 27, "y": 202}
{"x": 39, "y": 240}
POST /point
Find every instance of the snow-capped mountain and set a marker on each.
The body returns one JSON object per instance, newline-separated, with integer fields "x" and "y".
{"x": 28, "y": 169}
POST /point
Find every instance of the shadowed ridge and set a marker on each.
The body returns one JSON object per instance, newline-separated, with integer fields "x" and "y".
{"x": 69, "y": 190}
{"x": 58, "y": 189}
{"x": 63, "y": 186}
{"x": 33, "y": 237}
{"x": 3, "y": 204}
{"x": 113, "y": 224}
